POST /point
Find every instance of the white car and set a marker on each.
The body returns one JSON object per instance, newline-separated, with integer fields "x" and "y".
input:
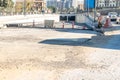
{"x": 113, "y": 15}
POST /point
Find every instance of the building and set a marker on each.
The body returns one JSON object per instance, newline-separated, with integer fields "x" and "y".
{"x": 107, "y": 3}
{"x": 89, "y": 5}
{"x": 39, "y": 5}
{"x": 81, "y": 5}
{"x": 99, "y": 4}
{"x": 51, "y": 3}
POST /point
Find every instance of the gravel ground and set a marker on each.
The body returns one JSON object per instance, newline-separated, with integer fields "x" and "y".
{"x": 59, "y": 54}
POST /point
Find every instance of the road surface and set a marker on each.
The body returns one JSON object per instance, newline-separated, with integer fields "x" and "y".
{"x": 59, "y": 54}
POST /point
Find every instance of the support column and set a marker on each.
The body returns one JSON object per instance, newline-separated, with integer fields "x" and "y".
{"x": 67, "y": 18}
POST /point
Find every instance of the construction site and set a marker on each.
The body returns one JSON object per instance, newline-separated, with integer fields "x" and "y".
{"x": 64, "y": 52}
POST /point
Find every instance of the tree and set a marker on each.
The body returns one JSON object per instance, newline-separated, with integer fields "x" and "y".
{"x": 0, "y": 3}
{"x": 5, "y": 3}
{"x": 52, "y": 8}
{"x": 71, "y": 9}
{"x": 19, "y": 7}
{"x": 29, "y": 5}
{"x": 10, "y": 5}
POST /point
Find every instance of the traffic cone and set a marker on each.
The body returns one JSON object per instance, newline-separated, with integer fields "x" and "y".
{"x": 109, "y": 21}
{"x": 83, "y": 28}
{"x": 106, "y": 23}
{"x": 33, "y": 23}
{"x": 63, "y": 25}
{"x": 73, "y": 25}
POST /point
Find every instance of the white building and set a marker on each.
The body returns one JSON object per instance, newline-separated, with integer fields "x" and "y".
{"x": 112, "y": 3}
{"x": 107, "y": 3}
{"x": 100, "y": 3}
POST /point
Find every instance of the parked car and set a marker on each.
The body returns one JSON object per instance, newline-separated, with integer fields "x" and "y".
{"x": 113, "y": 16}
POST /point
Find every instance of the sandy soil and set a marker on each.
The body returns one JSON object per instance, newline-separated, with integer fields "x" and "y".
{"x": 58, "y": 54}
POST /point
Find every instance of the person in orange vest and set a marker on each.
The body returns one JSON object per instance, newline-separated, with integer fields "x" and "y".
{"x": 100, "y": 25}
{"x": 99, "y": 22}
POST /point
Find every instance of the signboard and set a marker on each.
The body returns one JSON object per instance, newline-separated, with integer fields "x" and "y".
{"x": 90, "y": 4}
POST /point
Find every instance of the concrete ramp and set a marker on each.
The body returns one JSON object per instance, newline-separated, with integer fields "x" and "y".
{"x": 87, "y": 21}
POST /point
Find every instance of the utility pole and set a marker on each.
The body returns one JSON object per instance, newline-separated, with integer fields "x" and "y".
{"x": 88, "y": 7}
{"x": 24, "y": 7}
{"x": 94, "y": 10}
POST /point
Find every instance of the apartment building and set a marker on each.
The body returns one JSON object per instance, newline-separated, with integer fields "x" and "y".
{"x": 107, "y": 3}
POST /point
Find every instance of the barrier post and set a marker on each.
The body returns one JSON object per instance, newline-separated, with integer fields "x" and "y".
{"x": 72, "y": 24}
{"x": 33, "y": 23}
{"x": 83, "y": 28}
{"x": 106, "y": 23}
{"x": 63, "y": 25}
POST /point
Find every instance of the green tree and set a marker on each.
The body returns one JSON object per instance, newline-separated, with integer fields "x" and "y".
{"x": 71, "y": 9}
{"x": 52, "y": 8}
{"x": 0, "y": 3}
{"x": 5, "y": 3}
{"x": 10, "y": 5}
{"x": 29, "y": 5}
{"x": 19, "y": 7}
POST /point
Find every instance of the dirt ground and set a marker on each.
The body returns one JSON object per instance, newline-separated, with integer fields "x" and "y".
{"x": 58, "y": 54}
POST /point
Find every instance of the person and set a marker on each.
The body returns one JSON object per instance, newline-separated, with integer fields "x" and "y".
{"x": 100, "y": 25}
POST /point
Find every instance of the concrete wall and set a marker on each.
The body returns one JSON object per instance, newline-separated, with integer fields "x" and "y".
{"x": 88, "y": 20}
{"x": 29, "y": 18}
{"x": 80, "y": 18}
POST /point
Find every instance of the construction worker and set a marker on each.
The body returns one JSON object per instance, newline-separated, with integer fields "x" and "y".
{"x": 100, "y": 22}
{"x": 99, "y": 27}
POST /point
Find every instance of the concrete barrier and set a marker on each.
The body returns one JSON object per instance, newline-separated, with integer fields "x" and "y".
{"x": 49, "y": 23}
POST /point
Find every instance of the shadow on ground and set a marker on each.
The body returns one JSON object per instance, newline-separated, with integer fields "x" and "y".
{"x": 63, "y": 41}
{"x": 105, "y": 42}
